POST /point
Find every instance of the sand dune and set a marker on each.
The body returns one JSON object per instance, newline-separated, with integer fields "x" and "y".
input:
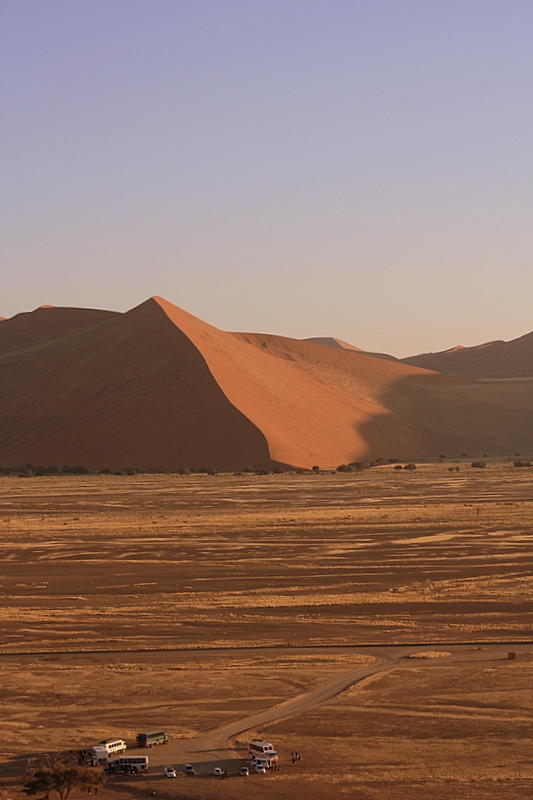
{"x": 331, "y": 341}
{"x": 159, "y": 388}
{"x": 497, "y": 359}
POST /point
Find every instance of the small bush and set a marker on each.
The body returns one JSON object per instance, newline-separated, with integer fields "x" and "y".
{"x": 522, "y": 464}
{"x": 478, "y": 464}
{"x": 410, "y": 466}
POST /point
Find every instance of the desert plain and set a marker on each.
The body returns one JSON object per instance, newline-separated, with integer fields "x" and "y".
{"x": 361, "y": 619}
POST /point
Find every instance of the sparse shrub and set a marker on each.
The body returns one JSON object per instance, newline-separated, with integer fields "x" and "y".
{"x": 343, "y": 468}
{"x": 398, "y": 466}
{"x": 356, "y": 466}
{"x": 261, "y": 471}
{"x": 410, "y": 466}
{"x": 522, "y": 464}
{"x": 478, "y": 464}
{"x": 315, "y": 469}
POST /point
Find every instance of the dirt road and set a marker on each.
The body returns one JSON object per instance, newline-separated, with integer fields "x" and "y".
{"x": 214, "y": 747}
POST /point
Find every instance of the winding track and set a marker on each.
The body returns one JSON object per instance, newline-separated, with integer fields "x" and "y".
{"x": 214, "y": 746}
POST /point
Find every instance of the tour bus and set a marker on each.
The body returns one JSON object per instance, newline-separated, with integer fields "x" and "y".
{"x": 127, "y": 764}
{"x": 151, "y": 738}
{"x": 102, "y": 751}
{"x": 258, "y": 747}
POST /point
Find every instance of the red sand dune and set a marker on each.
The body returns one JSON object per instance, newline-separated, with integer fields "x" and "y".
{"x": 158, "y": 388}
{"x": 496, "y": 359}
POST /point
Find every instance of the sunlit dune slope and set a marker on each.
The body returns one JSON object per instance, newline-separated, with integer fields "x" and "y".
{"x": 159, "y": 388}
{"x": 496, "y": 359}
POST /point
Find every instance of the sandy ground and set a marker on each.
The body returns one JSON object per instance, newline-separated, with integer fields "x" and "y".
{"x": 143, "y": 570}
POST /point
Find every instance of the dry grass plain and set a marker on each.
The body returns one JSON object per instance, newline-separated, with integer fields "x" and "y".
{"x": 144, "y": 570}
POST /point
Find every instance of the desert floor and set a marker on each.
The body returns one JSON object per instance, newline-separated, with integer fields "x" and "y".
{"x": 137, "y": 603}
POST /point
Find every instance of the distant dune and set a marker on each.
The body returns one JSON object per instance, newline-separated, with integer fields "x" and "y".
{"x": 158, "y": 388}
{"x": 331, "y": 341}
{"x": 497, "y": 359}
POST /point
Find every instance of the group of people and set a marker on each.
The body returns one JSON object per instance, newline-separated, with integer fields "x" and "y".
{"x": 296, "y": 757}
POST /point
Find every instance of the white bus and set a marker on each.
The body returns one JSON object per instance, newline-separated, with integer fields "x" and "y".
{"x": 258, "y": 747}
{"x": 102, "y": 751}
{"x": 132, "y": 765}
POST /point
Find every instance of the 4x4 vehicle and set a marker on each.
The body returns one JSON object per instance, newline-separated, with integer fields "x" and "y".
{"x": 169, "y": 772}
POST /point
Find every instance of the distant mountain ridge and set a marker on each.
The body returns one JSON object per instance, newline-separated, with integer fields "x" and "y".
{"x": 156, "y": 387}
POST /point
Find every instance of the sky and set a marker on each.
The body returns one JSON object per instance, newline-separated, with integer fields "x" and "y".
{"x": 352, "y": 168}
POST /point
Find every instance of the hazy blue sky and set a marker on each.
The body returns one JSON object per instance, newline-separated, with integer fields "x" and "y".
{"x": 357, "y": 168}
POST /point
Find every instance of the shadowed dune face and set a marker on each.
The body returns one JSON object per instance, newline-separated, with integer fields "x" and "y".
{"x": 497, "y": 359}
{"x": 457, "y": 416}
{"x": 158, "y": 388}
{"x": 47, "y": 323}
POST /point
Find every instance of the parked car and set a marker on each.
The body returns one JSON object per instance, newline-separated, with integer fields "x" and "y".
{"x": 260, "y": 769}
{"x": 189, "y": 769}
{"x": 169, "y": 772}
{"x": 218, "y": 772}
{"x": 244, "y": 771}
